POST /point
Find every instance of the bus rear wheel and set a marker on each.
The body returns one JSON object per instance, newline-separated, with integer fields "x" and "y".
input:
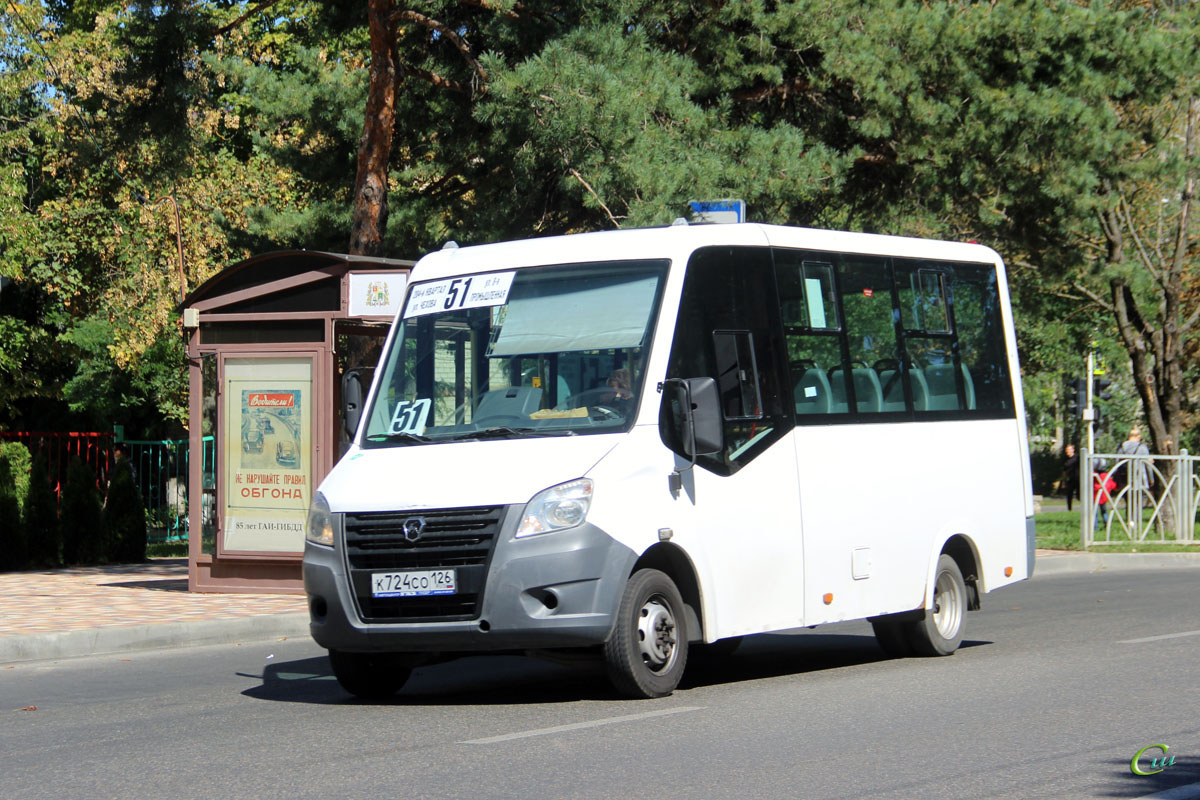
{"x": 647, "y": 651}
{"x": 940, "y": 632}
{"x": 371, "y": 676}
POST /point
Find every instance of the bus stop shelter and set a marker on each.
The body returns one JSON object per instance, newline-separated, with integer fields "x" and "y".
{"x": 269, "y": 340}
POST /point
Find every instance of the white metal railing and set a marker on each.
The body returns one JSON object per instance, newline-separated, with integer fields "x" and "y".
{"x": 1156, "y": 498}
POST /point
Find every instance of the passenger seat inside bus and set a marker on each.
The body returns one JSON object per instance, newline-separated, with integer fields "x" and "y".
{"x": 893, "y": 389}
{"x": 812, "y": 391}
{"x": 943, "y": 393}
{"x": 867, "y": 390}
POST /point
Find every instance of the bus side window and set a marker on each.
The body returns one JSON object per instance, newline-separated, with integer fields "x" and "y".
{"x": 812, "y": 330}
{"x": 936, "y": 381}
{"x": 866, "y": 289}
{"x": 728, "y": 329}
{"x": 980, "y": 331}
{"x": 737, "y": 374}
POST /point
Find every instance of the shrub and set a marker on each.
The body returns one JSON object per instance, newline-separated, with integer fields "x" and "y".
{"x": 79, "y": 517}
{"x": 13, "y": 553}
{"x": 19, "y": 460}
{"x": 42, "y": 533}
{"x": 124, "y": 518}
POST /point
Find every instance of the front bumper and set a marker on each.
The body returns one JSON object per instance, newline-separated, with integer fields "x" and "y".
{"x": 552, "y": 590}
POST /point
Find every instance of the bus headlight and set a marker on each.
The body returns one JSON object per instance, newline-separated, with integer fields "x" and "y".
{"x": 557, "y": 508}
{"x": 321, "y": 521}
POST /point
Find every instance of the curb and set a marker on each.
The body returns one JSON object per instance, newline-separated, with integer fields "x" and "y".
{"x": 107, "y": 640}
{"x": 129, "y": 638}
{"x": 1067, "y": 562}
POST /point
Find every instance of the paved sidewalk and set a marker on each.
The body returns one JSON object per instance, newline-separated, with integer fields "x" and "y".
{"x": 96, "y": 610}
{"x": 91, "y": 610}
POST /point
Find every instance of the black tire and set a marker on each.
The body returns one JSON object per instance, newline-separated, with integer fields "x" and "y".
{"x": 647, "y": 651}
{"x": 894, "y": 638}
{"x": 371, "y": 676}
{"x": 940, "y": 632}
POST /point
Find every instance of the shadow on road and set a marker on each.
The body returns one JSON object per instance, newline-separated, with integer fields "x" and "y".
{"x": 770, "y": 655}
{"x": 509, "y": 680}
{"x": 1184, "y": 771}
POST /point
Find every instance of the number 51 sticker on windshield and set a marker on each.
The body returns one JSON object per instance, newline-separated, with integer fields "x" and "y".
{"x": 409, "y": 416}
{"x": 473, "y": 291}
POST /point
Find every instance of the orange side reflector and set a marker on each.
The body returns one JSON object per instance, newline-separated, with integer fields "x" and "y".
{"x": 1008, "y": 572}
{"x": 828, "y": 598}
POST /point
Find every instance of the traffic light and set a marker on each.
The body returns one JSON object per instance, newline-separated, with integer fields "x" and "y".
{"x": 1100, "y": 389}
{"x": 1076, "y": 397}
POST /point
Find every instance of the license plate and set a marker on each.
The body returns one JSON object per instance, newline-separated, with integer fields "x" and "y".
{"x": 414, "y": 584}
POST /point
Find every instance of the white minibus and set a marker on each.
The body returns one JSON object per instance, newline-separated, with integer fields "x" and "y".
{"x": 640, "y": 442}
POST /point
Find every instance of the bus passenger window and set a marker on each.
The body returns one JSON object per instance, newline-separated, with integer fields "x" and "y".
{"x": 980, "y": 331}
{"x": 811, "y": 324}
{"x": 866, "y": 288}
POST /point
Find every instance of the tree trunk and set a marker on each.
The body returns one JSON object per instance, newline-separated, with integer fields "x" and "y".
{"x": 369, "y": 220}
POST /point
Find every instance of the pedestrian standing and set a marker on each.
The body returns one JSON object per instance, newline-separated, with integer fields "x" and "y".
{"x": 1133, "y": 473}
{"x": 1103, "y": 487}
{"x": 1070, "y": 476}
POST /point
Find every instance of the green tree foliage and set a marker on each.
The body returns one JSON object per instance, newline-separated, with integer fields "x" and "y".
{"x": 42, "y": 531}
{"x": 13, "y": 550}
{"x": 80, "y": 516}
{"x": 124, "y": 520}
{"x": 1051, "y": 130}
{"x": 116, "y": 117}
{"x": 19, "y": 461}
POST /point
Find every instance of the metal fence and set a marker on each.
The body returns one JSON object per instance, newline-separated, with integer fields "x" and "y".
{"x": 59, "y": 448}
{"x": 160, "y": 471}
{"x": 1138, "y": 498}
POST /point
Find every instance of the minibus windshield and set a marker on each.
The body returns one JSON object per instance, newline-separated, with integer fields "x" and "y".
{"x": 540, "y": 351}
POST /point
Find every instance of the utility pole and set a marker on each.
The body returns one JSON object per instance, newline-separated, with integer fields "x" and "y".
{"x": 1089, "y": 412}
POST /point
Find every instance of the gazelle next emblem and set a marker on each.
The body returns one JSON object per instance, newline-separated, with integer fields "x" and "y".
{"x": 413, "y": 528}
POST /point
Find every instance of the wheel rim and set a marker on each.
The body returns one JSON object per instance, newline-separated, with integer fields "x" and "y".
{"x": 947, "y": 606}
{"x": 656, "y": 634}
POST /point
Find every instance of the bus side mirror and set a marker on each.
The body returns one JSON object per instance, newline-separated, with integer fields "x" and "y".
{"x": 352, "y": 399}
{"x": 690, "y": 416}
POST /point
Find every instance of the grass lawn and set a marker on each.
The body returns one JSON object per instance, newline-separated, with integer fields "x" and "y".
{"x": 1059, "y": 530}
{"x": 178, "y": 549}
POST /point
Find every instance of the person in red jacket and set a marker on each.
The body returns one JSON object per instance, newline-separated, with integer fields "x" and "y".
{"x": 1102, "y": 488}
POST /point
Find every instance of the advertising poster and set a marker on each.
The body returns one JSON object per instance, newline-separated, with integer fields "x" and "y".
{"x": 268, "y": 450}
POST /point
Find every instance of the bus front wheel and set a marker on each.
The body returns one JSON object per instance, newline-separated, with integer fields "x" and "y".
{"x": 371, "y": 676}
{"x": 647, "y": 651}
{"x": 941, "y": 631}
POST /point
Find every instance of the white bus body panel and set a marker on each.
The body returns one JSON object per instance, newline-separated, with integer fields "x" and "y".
{"x": 459, "y": 474}
{"x": 902, "y": 509}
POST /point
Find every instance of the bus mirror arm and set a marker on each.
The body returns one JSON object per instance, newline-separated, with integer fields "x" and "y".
{"x": 352, "y": 399}
{"x": 691, "y": 411}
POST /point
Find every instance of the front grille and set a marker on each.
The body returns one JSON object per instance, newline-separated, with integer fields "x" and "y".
{"x": 458, "y": 538}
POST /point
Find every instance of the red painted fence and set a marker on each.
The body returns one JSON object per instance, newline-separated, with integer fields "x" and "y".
{"x": 94, "y": 449}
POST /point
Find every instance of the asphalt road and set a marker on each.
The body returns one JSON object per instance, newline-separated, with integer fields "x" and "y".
{"x": 1060, "y": 682}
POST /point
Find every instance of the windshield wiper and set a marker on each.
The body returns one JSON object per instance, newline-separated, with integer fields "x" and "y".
{"x": 408, "y": 438}
{"x": 497, "y": 432}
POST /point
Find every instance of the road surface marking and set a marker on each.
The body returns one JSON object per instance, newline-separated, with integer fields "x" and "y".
{"x": 1163, "y": 636}
{"x": 575, "y": 726}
